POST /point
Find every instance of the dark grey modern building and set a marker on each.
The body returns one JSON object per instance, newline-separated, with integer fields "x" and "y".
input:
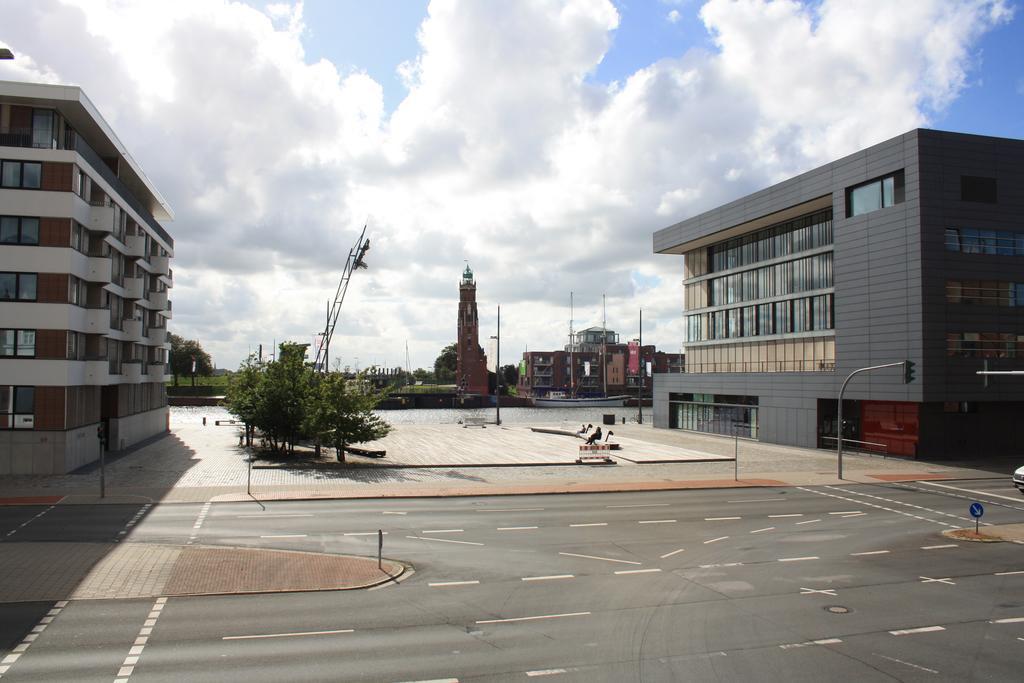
{"x": 911, "y": 249}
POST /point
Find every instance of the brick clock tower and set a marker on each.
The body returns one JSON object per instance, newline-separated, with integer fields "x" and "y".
{"x": 471, "y": 365}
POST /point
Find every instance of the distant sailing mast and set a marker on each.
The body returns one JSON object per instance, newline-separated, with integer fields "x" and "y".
{"x": 604, "y": 345}
{"x": 572, "y": 381}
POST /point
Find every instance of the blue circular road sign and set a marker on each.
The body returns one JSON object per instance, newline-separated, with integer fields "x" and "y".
{"x": 977, "y": 510}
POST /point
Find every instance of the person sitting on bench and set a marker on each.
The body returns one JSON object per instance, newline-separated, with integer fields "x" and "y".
{"x": 595, "y": 437}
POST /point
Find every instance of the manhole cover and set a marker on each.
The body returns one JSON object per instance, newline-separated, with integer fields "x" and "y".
{"x": 837, "y": 609}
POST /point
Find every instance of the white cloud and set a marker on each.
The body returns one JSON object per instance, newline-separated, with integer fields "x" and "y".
{"x": 506, "y": 150}
{"x": 674, "y": 16}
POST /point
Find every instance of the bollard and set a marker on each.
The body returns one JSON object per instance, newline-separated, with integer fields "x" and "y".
{"x": 204, "y": 421}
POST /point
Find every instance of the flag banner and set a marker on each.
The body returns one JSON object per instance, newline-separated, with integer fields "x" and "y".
{"x": 586, "y": 368}
{"x": 633, "y": 366}
{"x": 648, "y": 368}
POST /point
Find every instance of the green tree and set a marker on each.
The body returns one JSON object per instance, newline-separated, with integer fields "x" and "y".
{"x": 446, "y": 363}
{"x": 340, "y": 412}
{"x": 273, "y": 397}
{"x": 182, "y": 352}
{"x": 423, "y": 375}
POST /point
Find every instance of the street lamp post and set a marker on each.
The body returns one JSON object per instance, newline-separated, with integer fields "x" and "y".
{"x": 497, "y": 374}
{"x": 839, "y": 426}
{"x": 640, "y": 391}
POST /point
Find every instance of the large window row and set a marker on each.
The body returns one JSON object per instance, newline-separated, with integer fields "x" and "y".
{"x": 715, "y": 418}
{"x": 19, "y": 230}
{"x": 18, "y": 286}
{"x": 780, "y": 317}
{"x": 985, "y": 344}
{"x": 973, "y": 241}
{"x": 801, "y": 234}
{"x": 985, "y": 292}
{"x": 21, "y": 174}
{"x": 17, "y": 343}
{"x": 17, "y": 407}
{"x": 791, "y": 277}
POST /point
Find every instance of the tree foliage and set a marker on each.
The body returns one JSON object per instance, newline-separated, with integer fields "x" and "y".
{"x": 446, "y": 363}
{"x": 286, "y": 401}
{"x": 182, "y": 352}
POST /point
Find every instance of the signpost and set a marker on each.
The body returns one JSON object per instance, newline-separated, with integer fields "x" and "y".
{"x": 380, "y": 547}
{"x": 101, "y": 434}
{"x": 977, "y": 510}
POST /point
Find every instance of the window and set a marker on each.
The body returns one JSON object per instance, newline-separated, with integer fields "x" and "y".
{"x": 17, "y": 407}
{"x": 21, "y": 174}
{"x": 977, "y": 189}
{"x": 877, "y": 194}
{"x": 992, "y": 242}
{"x": 44, "y": 129}
{"x": 19, "y": 230}
{"x": 17, "y": 343}
{"x": 76, "y": 291}
{"x": 17, "y": 286}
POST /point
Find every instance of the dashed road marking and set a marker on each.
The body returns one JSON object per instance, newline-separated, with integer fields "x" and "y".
{"x": 882, "y": 507}
{"x": 912, "y": 631}
{"x": 716, "y": 540}
{"x": 365, "y": 533}
{"x": 870, "y": 552}
{"x": 798, "y": 559}
{"x": 719, "y": 519}
{"x": 8, "y": 661}
{"x": 442, "y": 531}
{"x": 1009, "y": 573}
{"x": 657, "y": 521}
{"x": 947, "y": 580}
{"x": 439, "y": 540}
{"x": 674, "y": 552}
{"x": 595, "y": 557}
{"x": 548, "y": 578}
{"x": 767, "y": 528}
{"x": 393, "y": 512}
{"x": 543, "y": 616}
{"x": 807, "y": 521}
{"x": 900, "y": 661}
{"x": 638, "y": 571}
{"x": 516, "y": 528}
{"x": 203, "y": 511}
{"x": 133, "y": 521}
{"x": 809, "y": 643}
{"x": 441, "y": 584}
{"x": 645, "y": 505}
{"x": 978, "y": 493}
{"x": 510, "y": 510}
{"x": 792, "y": 514}
{"x": 135, "y": 651}
{"x": 715, "y": 566}
{"x": 548, "y": 672}
{"x": 939, "y": 547}
{"x": 846, "y": 512}
{"x": 590, "y": 524}
{"x": 27, "y": 522}
{"x": 1008, "y": 620}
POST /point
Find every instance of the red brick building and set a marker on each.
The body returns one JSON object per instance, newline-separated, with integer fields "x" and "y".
{"x": 471, "y": 364}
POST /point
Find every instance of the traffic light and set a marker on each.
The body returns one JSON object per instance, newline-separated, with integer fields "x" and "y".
{"x": 908, "y": 371}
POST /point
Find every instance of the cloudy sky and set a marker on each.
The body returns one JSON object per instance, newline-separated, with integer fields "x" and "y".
{"x": 542, "y": 141}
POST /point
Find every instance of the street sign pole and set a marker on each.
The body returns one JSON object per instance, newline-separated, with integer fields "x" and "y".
{"x": 380, "y": 547}
{"x": 977, "y": 510}
{"x": 839, "y": 425}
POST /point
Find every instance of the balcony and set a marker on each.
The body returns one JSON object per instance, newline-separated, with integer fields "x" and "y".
{"x": 157, "y": 300}
{"x": 99, "y": 269}
{"x": 136, "y": 245}
{"x": 158, "y": 372}
{"x": 97, "y": 372}
{"x": 166, "y": 313}
{"x": 97, "y": 321}
{"x": 168, "y": 279}
{"x": 160, "y": 264}
{"x": 158, "y": 335}
{"x": 134, "y": 288}
{"x": 132, "y": 371}
{"x": 133, "y": 329}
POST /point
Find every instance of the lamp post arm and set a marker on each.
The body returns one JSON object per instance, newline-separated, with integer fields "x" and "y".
{"x": 842, "y": 390}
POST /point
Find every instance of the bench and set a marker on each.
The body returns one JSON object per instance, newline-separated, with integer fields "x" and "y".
{"x": 367, "y": 452}
{"x": 474, "y": 422}
{"x": 598, "y": 452}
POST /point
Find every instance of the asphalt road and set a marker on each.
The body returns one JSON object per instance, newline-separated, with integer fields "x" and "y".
{"x": 841, "y": 582}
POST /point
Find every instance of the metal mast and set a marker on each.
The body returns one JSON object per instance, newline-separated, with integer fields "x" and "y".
{"x": 604, "y": 344}
{"x": 572, "y": 381}
{"x": 353, "y": 263}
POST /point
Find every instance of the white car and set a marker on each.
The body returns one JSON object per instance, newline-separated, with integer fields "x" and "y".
{"x": 1018, "y": 479}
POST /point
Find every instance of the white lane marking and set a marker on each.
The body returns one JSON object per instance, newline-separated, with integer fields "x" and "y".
{"x": 767, "y": 528}
{"x": 515, "y": 528}
{"x": 719, "y": 519}
{"x": 594, "y": 557}
{"x": 823, "y": 591}
{"x": 715, "y": 540}
{"x": 870, "y": 552}
{"x": 807, "y": 521}
{"x": 980, "y": 493}
{"x": 393, "y": 512}
{"x": 442, "y": 531}
{"x": 440, "y": 584}
{"x": 645, "y": 505}
{"x": 900, "y": 661}
{"x": 846, "y": 512}
{"x": 938, "y": 547}
{"x": 792, "y": 514}
{"x": 754, "y": 500}
{"x": 27, "y": 522}
{"x": 363, "y": 533}
{"x": 657, "y": 521}
{"x": 925, "y": 579}
{"x": 547, "y": 672}
{"x": 274, "y": 516}
{"x": 808, "y": 643}
{"x": 203, "y": 512}
{"x": 285, "y": 536}
{"x": 26, "y": 642}
{"x": 135, "y": 651}
{"x": 543, "y": 616}
{"x": 882, "y": 507}
{"x": 289, "y": 635}
{"x": 911, "y": 631}
{"x": 133, "y": 521}
{"x": 442, "y": 540}
{"x": 510, "y": 510}
{"x": 548, "y": 578}
{"x": 637, "y": 571}
{"x": 674, "y": 552}
{"x": 798, "y": 559}
{"x": 1009, "y": 573}
{"x": 1008, "y": 620}
{"x": 715, "y": 566}
{"x": 591, "y": 524}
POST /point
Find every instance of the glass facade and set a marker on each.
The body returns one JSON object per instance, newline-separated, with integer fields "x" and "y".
{"x": 985, "y": 344}
{"x": 992, "y": 242}
{"x": 805, "y": 314}
{"x": 714, "y": 414}
{"x": 801, "y": 234}
{"x": 985, "y": 292}
{"x": 877, "y": 194}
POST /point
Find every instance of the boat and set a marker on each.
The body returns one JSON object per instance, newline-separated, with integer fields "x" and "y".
{"x": 553, "y": 400}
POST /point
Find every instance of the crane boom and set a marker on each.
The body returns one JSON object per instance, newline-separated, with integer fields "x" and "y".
{"x": 354, "y": 262}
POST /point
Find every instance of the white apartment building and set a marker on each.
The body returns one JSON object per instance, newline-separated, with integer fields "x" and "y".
{"x": 84, "y": 280}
